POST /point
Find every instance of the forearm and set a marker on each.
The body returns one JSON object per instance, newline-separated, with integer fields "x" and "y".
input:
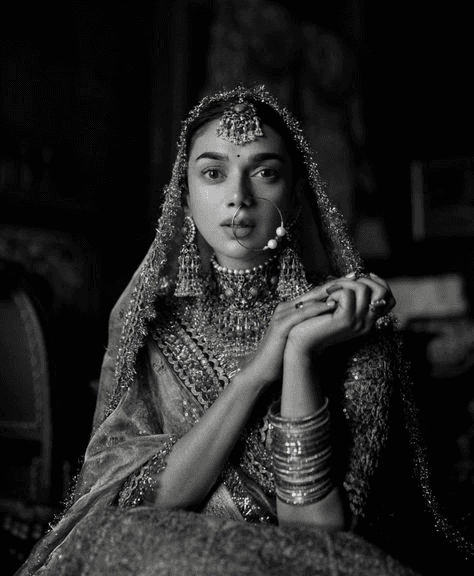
{"x": 301, "y": 393}
{"x": 198, "y": 457}
{"x": 302, "y": 396}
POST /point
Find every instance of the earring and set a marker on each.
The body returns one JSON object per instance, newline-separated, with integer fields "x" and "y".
{"x": 292, "y": 278}
{"x": 189, "y": 280}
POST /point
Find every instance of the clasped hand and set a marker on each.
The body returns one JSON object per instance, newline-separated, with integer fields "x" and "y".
{"x": 334, "y": 312}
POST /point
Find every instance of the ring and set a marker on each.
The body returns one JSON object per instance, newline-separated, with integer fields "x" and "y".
{"x": 299, "y": 305}
{"x": 380, "y": 303}
{"x": 279, "y": 233}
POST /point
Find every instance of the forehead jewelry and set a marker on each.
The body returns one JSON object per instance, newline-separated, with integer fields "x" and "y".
{"x": 273, "y": 242}
{"x": 239, "y": 124}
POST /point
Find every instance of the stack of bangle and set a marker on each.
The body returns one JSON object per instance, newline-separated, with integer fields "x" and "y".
{"x": 301, "y": 450}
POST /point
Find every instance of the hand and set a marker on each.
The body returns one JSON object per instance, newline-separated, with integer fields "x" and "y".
{"x": 266, "y": 366}
{"x": 359, "y": 302}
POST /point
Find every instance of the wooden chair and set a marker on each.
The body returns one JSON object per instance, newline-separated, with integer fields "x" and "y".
{"x": 25, "y": 410}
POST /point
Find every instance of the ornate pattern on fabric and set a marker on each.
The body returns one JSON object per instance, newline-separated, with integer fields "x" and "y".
{"x": 141, "y": 487}
{"x": 249, "y": 507}
{"x": 206, "y": 373}
{"x": 193, "y": 362}
{"x": 368, "y": 389}
{"x": 149, "y": 542}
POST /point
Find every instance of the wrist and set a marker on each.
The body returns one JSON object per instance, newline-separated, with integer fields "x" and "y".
{"x": 298, "y": 356}
{"x": 251, "y": 380}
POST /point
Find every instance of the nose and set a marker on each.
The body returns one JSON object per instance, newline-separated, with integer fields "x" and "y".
{"x": 240, "y": 192}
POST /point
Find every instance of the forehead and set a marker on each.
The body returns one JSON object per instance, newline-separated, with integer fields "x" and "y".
{"x": 207, "y": 140}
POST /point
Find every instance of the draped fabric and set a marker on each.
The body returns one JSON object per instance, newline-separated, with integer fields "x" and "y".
{"x": 156, "y": 382}
{"x": 121, "y": 474}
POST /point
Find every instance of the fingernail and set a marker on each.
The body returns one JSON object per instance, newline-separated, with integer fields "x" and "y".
{"x": 330, "y": 303}
{"x": 350, "y": 275}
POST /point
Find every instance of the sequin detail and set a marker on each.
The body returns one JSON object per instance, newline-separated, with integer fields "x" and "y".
{"x": 205, "y": 372}
{"x": 141, "y": 487}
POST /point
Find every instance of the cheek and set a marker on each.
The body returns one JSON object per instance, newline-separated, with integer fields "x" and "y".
{"x": 199, "y": 202}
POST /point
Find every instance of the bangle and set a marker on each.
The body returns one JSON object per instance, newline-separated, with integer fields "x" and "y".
{"x": 305, "y": 496}
{"x": 302, "y": 453}
{"x": 297, "y": 421}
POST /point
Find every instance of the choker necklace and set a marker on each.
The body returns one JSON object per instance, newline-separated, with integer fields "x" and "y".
{"x": 242, "y": 288}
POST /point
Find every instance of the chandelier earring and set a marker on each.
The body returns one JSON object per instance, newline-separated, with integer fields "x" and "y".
{"x": 292, "y": 280}
{"x": 189, "y": 281}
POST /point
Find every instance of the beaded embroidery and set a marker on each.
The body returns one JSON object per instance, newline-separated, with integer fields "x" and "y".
{"x": 141, "y": 486}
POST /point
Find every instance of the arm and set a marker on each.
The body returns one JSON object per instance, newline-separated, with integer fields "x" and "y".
{"x": 196, "y": 460}
{"x": 302, "y": 394}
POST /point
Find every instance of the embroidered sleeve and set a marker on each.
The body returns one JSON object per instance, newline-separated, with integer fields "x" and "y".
{"x": 141, "y": 487}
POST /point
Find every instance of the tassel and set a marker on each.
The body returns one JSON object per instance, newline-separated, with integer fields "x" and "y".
{"x": 292, "y": 279}
{"x": 189, "y": 280}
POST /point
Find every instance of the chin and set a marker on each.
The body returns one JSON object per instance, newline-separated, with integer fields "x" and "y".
{"x": 240, "y": 258}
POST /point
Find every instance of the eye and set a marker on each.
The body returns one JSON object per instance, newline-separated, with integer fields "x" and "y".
{"x": 212, "y": 174}
{"x": 268, "y": 173}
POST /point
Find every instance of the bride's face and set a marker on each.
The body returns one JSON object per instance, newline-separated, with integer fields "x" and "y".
{"x": 223, "y": 176}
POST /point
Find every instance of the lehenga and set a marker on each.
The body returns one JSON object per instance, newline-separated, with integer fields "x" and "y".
{"x": 164, "y": 367}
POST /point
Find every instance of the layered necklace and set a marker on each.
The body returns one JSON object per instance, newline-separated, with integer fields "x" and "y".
{"x": 241, "y": 304}
{"x": 235, "y": 310}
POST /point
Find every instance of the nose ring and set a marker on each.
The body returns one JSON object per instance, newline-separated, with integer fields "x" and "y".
{"x": 280, "y": 232}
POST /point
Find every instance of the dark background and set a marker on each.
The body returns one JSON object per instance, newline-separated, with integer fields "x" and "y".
{"x": 91, "y": 99}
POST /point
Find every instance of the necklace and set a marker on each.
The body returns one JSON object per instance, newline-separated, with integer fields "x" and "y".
{"x": 230, "y": 319}
{"x": 240, "y": 303}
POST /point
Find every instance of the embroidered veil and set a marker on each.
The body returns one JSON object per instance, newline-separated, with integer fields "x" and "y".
{"x": 375, "y": 385}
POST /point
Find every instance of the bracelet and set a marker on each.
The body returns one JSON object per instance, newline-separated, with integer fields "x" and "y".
{"x": 300, "y": 422}
{"x": 309, "y": 447}
{"x": 301, "y": 454}
{"x": 303, "y": 497}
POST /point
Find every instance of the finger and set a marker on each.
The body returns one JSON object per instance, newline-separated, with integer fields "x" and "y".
{"x": 380, "y": 280}
{"x": 346, "y": 301}
{"x": 377, "y": 291}
{"x": 303, "y": 309}
{"x": 345, "y": 283}
{"x": 319, "y": 294}
{"x": 311, "y": 306}
{"x": 381, "y": 292}
{"x": 391, "y": 300}
{"x": 353, "y": 304}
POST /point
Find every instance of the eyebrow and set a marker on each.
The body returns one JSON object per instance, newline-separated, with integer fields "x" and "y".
{"x": 255, "y": 159}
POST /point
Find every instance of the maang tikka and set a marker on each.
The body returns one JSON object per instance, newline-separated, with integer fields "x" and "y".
{"x": 239, "y": 124}
{"x": 189, "y": 281}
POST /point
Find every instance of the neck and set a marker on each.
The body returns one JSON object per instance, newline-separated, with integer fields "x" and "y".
{"x": 240, "y": 287}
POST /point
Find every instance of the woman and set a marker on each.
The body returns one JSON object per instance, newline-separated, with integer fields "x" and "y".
{"x": 253, "y": 373}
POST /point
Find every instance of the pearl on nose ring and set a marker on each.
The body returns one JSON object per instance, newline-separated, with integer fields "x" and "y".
{"x": 280, "y": 232}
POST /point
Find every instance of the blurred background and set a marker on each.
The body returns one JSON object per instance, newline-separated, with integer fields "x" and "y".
{"x": 91, "y": 100}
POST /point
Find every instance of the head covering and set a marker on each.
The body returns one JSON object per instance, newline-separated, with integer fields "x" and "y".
{"x": 155, "y": 275}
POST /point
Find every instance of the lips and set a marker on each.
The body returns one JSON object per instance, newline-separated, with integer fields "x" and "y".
{"x": 242, "y": 223}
